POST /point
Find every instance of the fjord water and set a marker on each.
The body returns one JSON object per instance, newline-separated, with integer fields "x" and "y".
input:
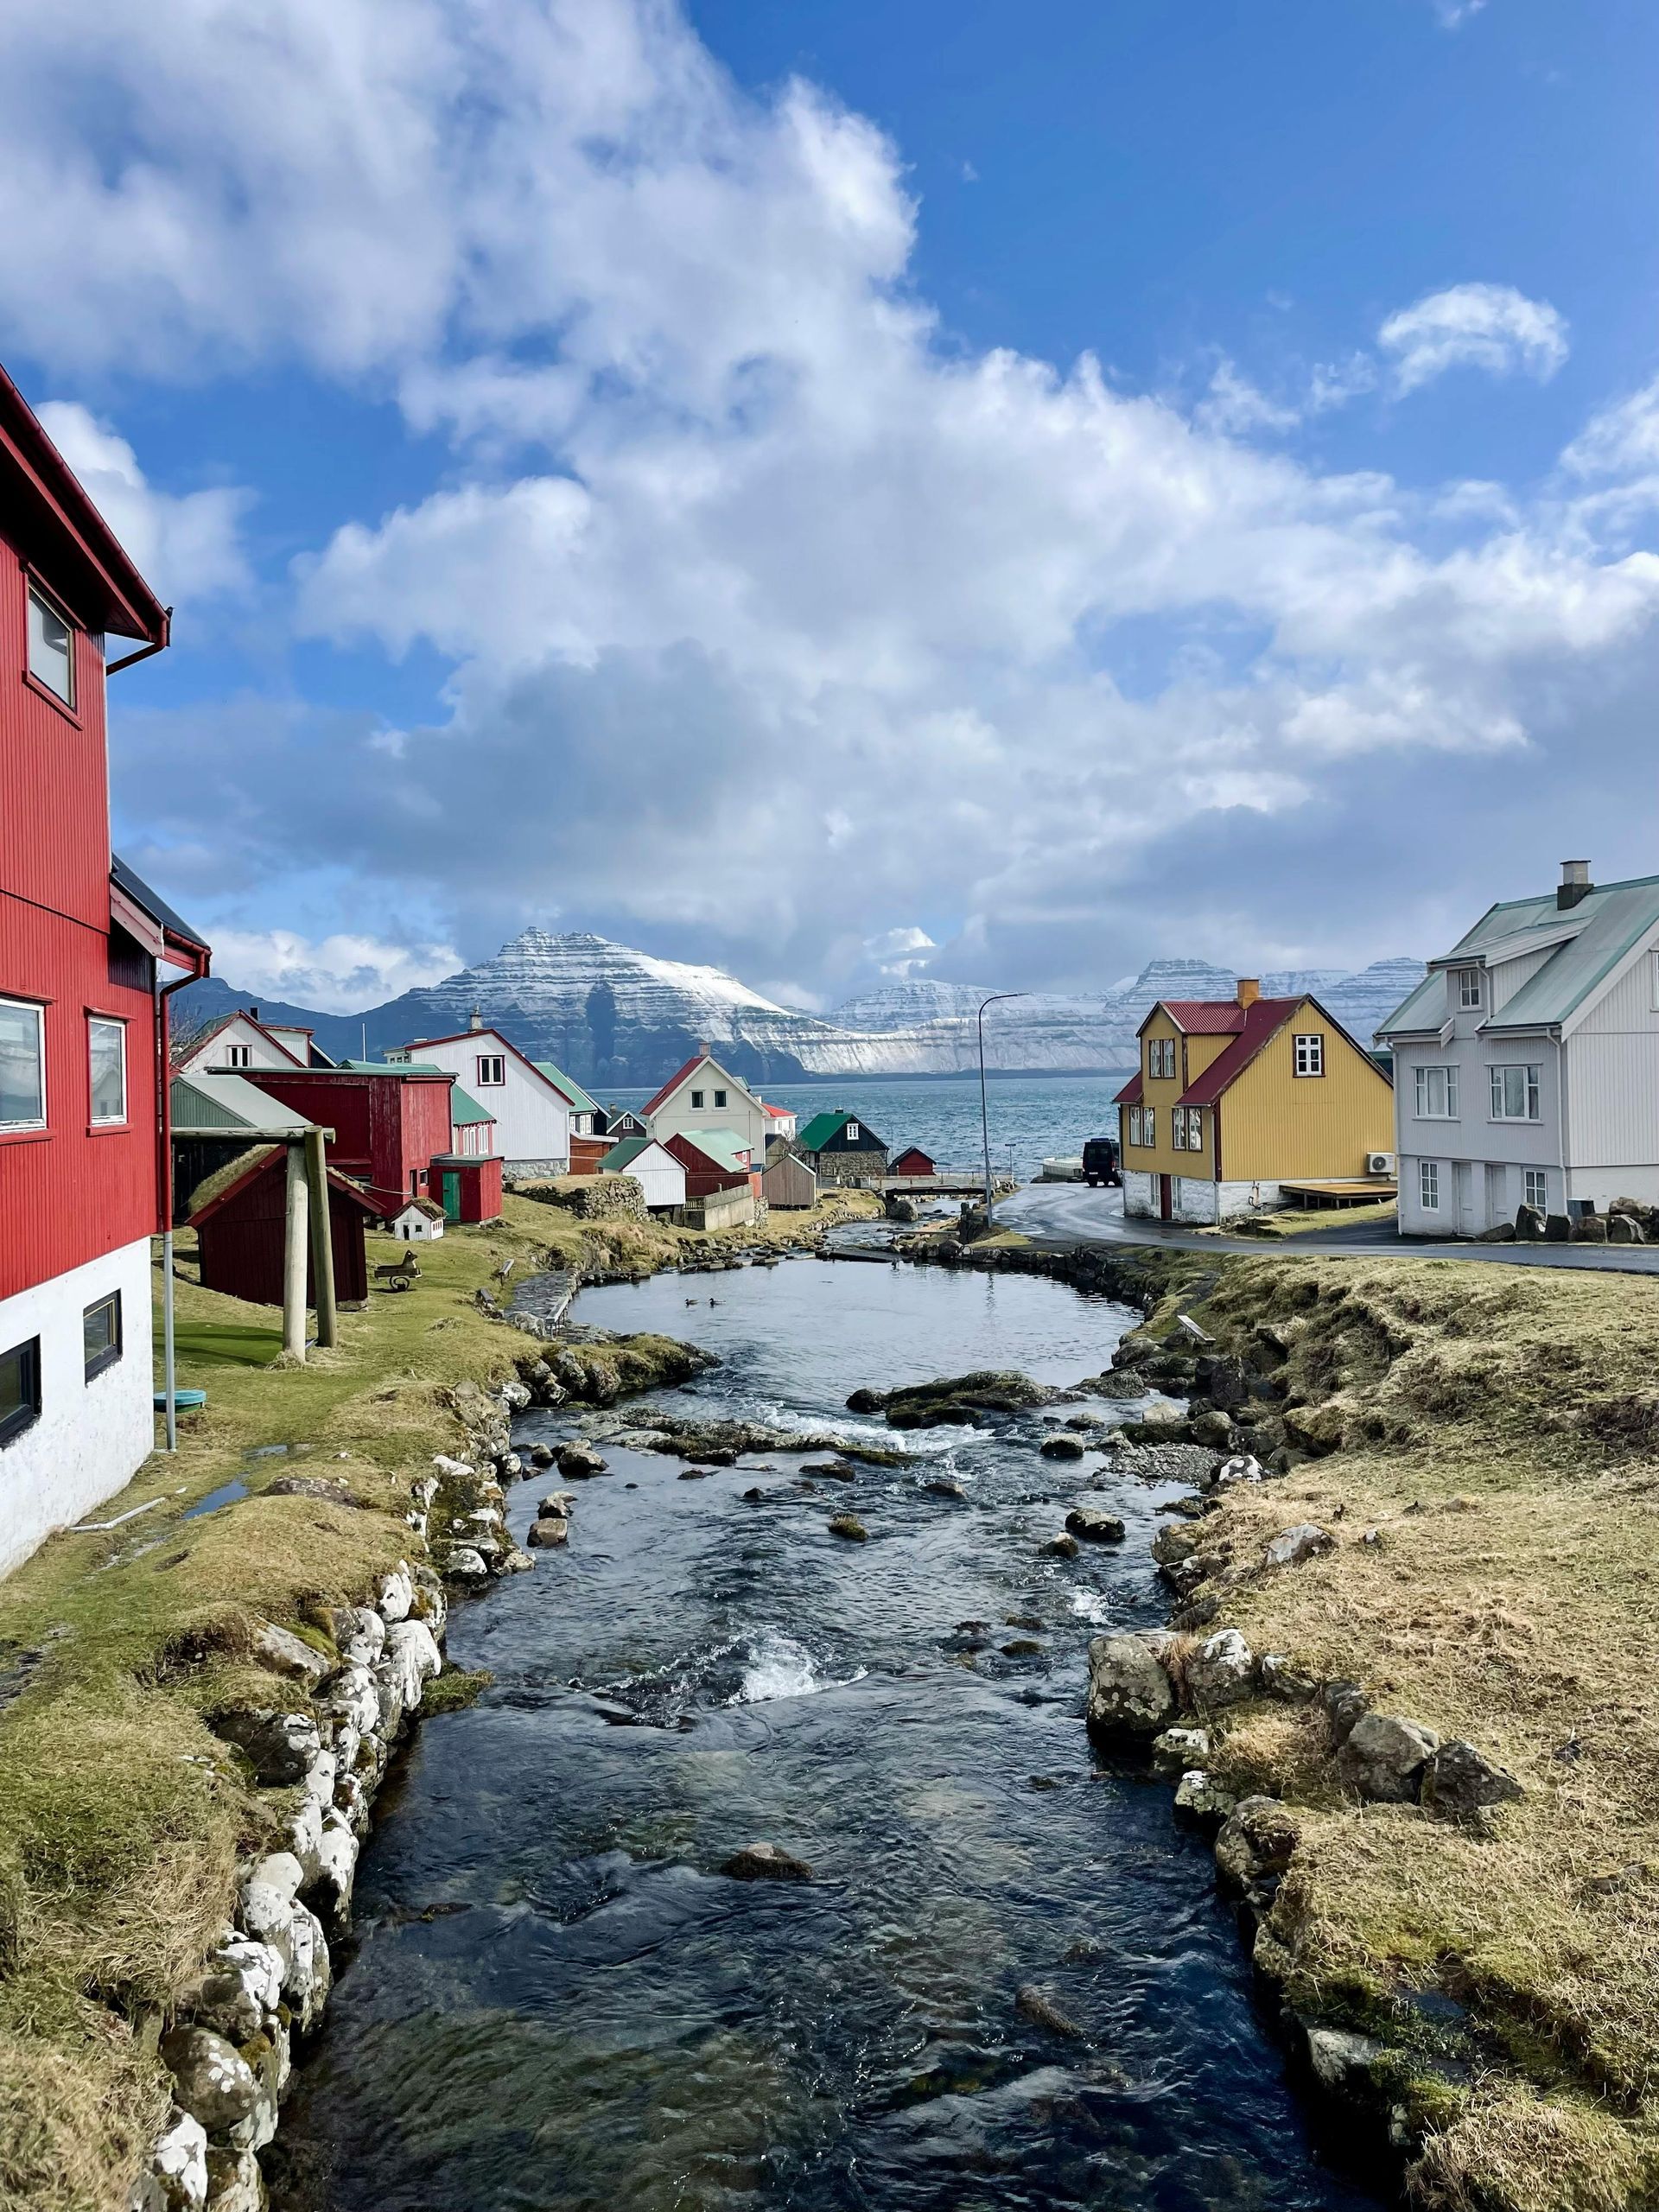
{"x": 557, "y": 2002}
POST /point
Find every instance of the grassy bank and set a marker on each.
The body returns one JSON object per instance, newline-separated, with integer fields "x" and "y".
{"x": 122, "y": 1814}
{"x": 1485, "y": 1443}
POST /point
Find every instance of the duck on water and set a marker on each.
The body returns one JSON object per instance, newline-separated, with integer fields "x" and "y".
{"x": 775, "y": 1869}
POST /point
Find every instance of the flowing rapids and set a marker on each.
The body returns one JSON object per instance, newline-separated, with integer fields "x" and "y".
{"x": 558, "y": 2003}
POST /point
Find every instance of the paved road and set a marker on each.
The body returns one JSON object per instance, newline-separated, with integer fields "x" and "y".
{"x": 1071, "y": 1213}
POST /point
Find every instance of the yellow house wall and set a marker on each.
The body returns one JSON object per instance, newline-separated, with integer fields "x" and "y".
{"x": 1277, "y": 1124}
{"x": 1193, "y": 1055}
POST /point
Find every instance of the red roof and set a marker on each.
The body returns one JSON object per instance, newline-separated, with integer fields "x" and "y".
{"x": 1203, "y": 1017}
{"x": 778, "y": 1113}
{"x": 1259, "y": 1022}
{"x": 673, "y": 1083}
{"x": 1130, "y": 1094}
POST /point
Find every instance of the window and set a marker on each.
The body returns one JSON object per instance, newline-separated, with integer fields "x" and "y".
{"x": 1135, "y": 1125}
{"x": 1160, "y": 1059}
{"x": 1536, "y": 1186}
{"x": 1310, "y": 1055}
{"x": 23, "y": 1065}
{"x": 51, "y": 647}
{"x": 1429, "y": 1184}
{"x": 107, "y": 1050}
{"x": 1468, "y": 987}
{"x": 852, "y": 1127}
{"x": 19, "y": 1388}
{"x": 492, "y": 1068}
{"x": 238, "y": 1056}
{"x": 696, "y": 1102}
{"x": 720, "y": 1098}
{"x": 1186, "y": 1134}
{"x": 100, "y": 1334}
{"x": 414, "y": 1182}
{"x": 1437, "y": 1094}
{"x": 1149, "y": 1124}
{"x": 1515, "y": 1094}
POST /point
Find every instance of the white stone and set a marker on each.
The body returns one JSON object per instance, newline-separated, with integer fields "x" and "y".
{"x": 1197, "y": 1794}
{"x": 1305, "y": 1539}
{"x": 454, "y": 1470}
{"x": 337, "y": 1854}
{"x": 304, "y": 1835}
{"x": 350, "y": 1693}
{"x": 320, "y": 1783}
{"x": 280, "y": 1871}
{"x": 465, "y": 1565}
{"x": 361, "y": 1635}
{"x": 285, "y": 1653}
{"x": 396, "y": 1594}
{"x": 1221, "y": 1670}
{"x": 412, "y": 1652}
{"x": 1178, "y": 1749}
{"x": 353, "y": 1800}
{"x": 1341, "y": 2060}
{"x": 236, "y": 2185}
{"x": 175, "y": 2179}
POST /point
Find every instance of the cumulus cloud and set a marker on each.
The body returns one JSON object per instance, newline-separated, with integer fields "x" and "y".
{"x": 337, "y": 975}
{"x": 185, "y": 547}
{"x": 763, "y": 607}
{"x": 1490, "y": 327}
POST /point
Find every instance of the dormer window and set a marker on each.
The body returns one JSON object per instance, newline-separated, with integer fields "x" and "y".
{"x": 1468, "y": 982}
{"x": 238, "y": 1056}
{"x": 1160, "y": 1059}
{"x": 51, "y": 647}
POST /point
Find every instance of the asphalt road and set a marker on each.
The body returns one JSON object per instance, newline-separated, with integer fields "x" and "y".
{"x": 1071, "y": 1213}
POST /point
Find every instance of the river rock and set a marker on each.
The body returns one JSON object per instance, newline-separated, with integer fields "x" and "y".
{"x": 394, "y": 1595}
{"x": 234, "y": 2181}
{"x": 541, "y": 1455}
{"x": 175, "y": 2176}
{"x": 1282, "y": 1678}
{"x": 1177, "y": 1749}
{"x": 1243, "y": 1467}
{"x": 1384, "y": 1757}
{"x": 241, "y": 1982}
{"x": 942, "y": 1486}
{"x": 850, "y": 1526}
{"x": 1064, "y": 1545}
{"x": 1305, "y": 1539}
{"x": 1094, "y": 1525}
{"x": 548, "y": 1531}
{"x": 1063, "y": 1447}
{"x": 561, "y": 1504}
{"x": 959, "y": 1401}
{"x": 412, "y": 1658}
{"x": 1462, "y": 1782}
{"x": 1130, "y": 1691}
{"x": 284, "y": 1653}
{"x": 280, "y": 1745}
{"x": 1201, "y": 1797}
{"x": 1213, "y": 1429}
{"x": 1344, "y": 1704}
{"x": 213, "y": 2083}
{"x": 350, "y": 1695}
{"x": 1256, "y": 1842}
{"x": 1173, "y": 1542}
{"x": 360, "y": 1634}
{"x": 580, "y": 1462}
{"x": 765, "y": 1862}
{"x": 466, "y": 1564}
{"x": 833, "y": 1471}
{"x": 1221, "y": 1671}
{"x": 1037, "y": 2005}
{"x": 337, "y": 1854}
{"x": 1342, "y": 2061}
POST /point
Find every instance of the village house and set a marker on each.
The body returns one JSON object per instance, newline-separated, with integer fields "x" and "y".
{"x": 532, "y": 1115}
{"x": 216, "y": 1118}
{"x": 659, "y": 1173}
{"x": 840, "y": 1147}
{"x": 390, "y": 1123}
{"x": 703, "y": 1096}
{"x": 783, "y": 1121}
{"x": 240, "y": 1217}
{"x": 722, "y": 1182}
{"x": 618, "y": 1122}
{"x": 233, "y": 1043}
{"x": 584, "y": 1111}
{"x": 1527, "y": 1062}
{"x": 1236, "y": 1099}
{"x": 913, "y": 1162}
{"x": 85, "y": 1166}
{"x": 787, "y": 1182}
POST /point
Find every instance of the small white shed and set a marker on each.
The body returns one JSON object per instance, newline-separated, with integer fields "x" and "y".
{"x": 418, "y": 1222}
{"x": 659, "y": 1175}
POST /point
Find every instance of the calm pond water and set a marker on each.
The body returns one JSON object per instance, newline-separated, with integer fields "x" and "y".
{"x": 558, "y": 2003}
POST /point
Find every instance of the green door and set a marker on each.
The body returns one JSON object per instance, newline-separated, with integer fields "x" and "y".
{"x": 451, "y": 1195}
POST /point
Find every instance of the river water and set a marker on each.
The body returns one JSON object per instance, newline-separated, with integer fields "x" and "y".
{"x": 557, "y": 2004}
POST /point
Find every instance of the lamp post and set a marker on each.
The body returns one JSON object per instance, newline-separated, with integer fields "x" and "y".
{"x": 984, "y": 1110}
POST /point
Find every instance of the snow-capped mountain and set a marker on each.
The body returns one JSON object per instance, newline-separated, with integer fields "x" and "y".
{"x": 613, "y": 1017}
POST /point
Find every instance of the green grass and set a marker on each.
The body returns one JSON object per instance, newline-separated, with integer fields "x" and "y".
{"x": 202, "y": 1345}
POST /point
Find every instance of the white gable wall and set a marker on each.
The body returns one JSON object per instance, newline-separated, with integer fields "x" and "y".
{"x": 213, "y": 1053}
{"x": 741, "y": 1113}
{"x": 533, "y": 1122}
{"x": 659, "y": 1175}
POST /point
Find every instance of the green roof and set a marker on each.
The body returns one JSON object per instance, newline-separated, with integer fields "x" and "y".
{"x": 391, "y": 1067}
{"x": 225, "y": 1100}
{"x": 723, "y": 1144}
{"x": 819, "y": 1130}
{"x": 572, "y": 1091}
{"x": 1581, "y": 947}
{"x": 464, "y": 1109}
{"x": 619, "y": 1156}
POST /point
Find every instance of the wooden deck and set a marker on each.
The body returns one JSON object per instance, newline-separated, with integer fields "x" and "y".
{"x": 1362, "y": 1191}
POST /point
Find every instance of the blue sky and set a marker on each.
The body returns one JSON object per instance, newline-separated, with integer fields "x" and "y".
{"x": 847, "y": 490}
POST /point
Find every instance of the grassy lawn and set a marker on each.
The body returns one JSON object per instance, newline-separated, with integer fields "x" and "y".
{"x": 1297, "y": 1221}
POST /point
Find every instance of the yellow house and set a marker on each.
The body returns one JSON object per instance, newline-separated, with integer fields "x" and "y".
{"x": 1236, "y": 1097}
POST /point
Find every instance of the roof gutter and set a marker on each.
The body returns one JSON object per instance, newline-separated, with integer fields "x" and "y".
{"x": 144, "y": 652}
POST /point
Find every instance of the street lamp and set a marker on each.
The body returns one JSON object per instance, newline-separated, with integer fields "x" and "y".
{"x": 984, "y": 1110}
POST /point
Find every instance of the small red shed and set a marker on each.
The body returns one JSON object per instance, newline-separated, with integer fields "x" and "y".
{"x": 913, "y": 1160}
{"x": 240, "y": 1231}
{"x": 388, "y": 1122}
{"x": 466, "y": 1185}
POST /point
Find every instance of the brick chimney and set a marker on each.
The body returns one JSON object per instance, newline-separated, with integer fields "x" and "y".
{"x": 1576, "y": 884}
{"x": 1249, "y": 989}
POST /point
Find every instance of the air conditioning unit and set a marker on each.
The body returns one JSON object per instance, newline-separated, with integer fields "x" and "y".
{"x": 1379, "y": 1163}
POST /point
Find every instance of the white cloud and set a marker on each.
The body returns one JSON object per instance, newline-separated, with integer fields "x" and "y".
{"x": 1490, "y": 327}
{"x": 1621, "y": 440}
{"x": 336, "y": 975}
{"x": 1451, "y": 15}
{"x": 184, "y": 547}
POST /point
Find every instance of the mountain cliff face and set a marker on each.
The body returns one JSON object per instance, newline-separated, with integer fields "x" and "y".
{"x": 615, "y": 1018}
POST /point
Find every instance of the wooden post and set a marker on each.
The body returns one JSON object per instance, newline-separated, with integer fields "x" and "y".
{"x": 322, "y": 1242}
{"x": 294, "y": 1253}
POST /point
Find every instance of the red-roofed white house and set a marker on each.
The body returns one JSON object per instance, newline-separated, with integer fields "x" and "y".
{"x": 1236, "y": 1097}
{"x": 703, "y": 1097}
{"x": 531, "y": 1114}
{"x": 234, "y": 1043}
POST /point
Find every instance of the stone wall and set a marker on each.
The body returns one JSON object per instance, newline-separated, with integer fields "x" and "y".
{"x": 845, "y": 1167}
{"x": 591, "y": 1197}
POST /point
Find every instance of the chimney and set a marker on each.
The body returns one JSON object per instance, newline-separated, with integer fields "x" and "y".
{"x": 253, "y": 1013}
{"x": 1576, "y": 884}
{"x": 477, "y": 1020}
{"x": 702, "y": 1048}
{"x": 1249, "y": 989}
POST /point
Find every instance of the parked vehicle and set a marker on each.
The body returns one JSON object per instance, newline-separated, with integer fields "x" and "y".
{"x": 1100, "y": 1164}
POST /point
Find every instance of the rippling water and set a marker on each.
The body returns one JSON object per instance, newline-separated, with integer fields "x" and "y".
{"x": 558, "y": 2003}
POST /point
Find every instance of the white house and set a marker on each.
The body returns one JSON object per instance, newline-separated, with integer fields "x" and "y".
{"x": 781, "y": 1121}
{"x": 1526, "y": 1064}
{"x": 657, "y": 1172}
{"x": 235, "y": 1042}
{"x": 582, "y": 1108}
{"x": 702, "y": 1097}
{"x": 532, "y": 1114}
{"x": 417, "y": 1222}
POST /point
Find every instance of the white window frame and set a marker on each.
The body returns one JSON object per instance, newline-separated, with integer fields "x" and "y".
{"x": 1309, "y": 1048}
{"x": 33, "y": 1008}
{"x": 696, "y": 1102}
{"x": 1470, "y": 995}
{"x": 851, "y": 1132}
{"x": 1135, "y": 1124}
{"x": 96, "y": 1021}
{"x": 498, "y": 1062}
{"x": 1149, "y": 1123}
{"x": 1428, "y": 1185}
{"x": 1535, "y": 1188}
{"x": 1532, "y": 1078}
{"x": 40, "y": 598}
{"x": 1425, "y": 1110}
{"x": 720, "y": 1100}
{"x": 238, "y": 1056}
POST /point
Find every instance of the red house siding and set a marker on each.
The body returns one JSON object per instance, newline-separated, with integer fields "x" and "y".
{"x": 913, "y": 1160}
{"x": 703, "y": 1176}
{"x": 387, "y": 1129}
{"x": 241, "y": 1238}
{"x": 478, "y": 1185}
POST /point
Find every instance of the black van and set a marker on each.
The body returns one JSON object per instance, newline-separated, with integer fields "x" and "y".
{"x": 1100, "y": 1164}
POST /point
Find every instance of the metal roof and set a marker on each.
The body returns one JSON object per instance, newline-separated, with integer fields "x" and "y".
{"x": 819, "y": 1130}
{"x": 724, "y": 1147}
{"x": 464, "y": 1109}
{"x": 574, "y": 1092}
{"x": 128, "y": 880}
{"x": 230, "y": 1102}
{"x": 1589, "y": 940}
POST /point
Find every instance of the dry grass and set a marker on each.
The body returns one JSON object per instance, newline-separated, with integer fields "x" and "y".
{"x": 1299, "y": 1221}
{"x": 1492, "y": 1431}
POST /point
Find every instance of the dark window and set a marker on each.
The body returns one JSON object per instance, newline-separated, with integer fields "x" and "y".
{"x": 720, "y": 1098}
{"x": 696, "y": 1102}
{"x": 414, "y": 1182}
{"x": 492, "y": 1068}
{"x": 100, "y": 1332}
{"x": 19, "y": 1388}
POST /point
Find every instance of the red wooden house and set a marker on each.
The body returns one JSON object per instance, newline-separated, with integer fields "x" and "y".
{"x": 711, "y": 1162}
{"x": 466, "y": 1185}
{"x": 241, "y": 1233}
{"x": 913, "y": 1160}
{"x": 389, "y": 1123}
{"x": 82, "y": 1152}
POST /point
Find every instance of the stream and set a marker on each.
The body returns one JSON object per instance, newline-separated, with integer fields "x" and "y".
{"x": 556, "y": 2002}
